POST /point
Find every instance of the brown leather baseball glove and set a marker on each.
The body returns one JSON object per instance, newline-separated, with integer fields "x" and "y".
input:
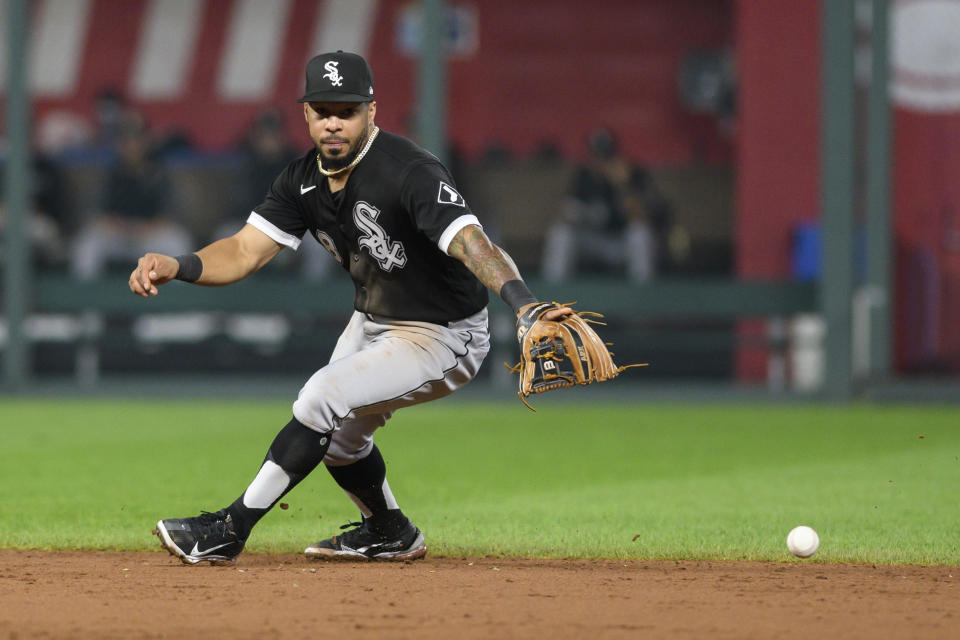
{"x": 560, "y": 353}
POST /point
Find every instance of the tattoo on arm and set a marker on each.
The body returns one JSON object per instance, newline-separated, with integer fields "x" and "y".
{"x": 492, "y": 266}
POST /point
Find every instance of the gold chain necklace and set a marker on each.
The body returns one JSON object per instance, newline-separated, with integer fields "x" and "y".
{"x": 363, "y": 152}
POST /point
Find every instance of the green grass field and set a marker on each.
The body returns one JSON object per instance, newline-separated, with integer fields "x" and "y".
{"x": 713, "y": 481}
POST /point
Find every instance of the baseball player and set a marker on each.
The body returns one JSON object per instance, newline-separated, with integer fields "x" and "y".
{"x": 391, "y": 216}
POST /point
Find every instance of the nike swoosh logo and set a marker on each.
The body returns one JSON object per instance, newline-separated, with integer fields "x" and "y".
{"x": 381, "y": 546}
{"x": 304, "y": 190}
{"x": 197, "y": 553}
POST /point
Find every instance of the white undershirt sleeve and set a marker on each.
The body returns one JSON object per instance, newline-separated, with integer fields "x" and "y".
{"x": 276, "y": 234}
{"x": 453, "y": 228}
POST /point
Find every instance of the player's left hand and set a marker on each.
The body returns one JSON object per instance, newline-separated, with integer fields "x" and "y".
{"x": 554, "y": 315}
{"x": 558, "y": 349}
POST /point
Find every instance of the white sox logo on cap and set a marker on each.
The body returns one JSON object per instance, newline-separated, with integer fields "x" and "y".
{"x": 338, "y": 77}
{"x": 334, "y": 73}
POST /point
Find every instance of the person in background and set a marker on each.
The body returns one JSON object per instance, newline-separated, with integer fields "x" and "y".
{"x": 265, "y": 152}
{"x": 611, "y": 217}
{"x": 112, "y": 116}
{"x": 47, "y": 214}
{"x": 134, "y": 211}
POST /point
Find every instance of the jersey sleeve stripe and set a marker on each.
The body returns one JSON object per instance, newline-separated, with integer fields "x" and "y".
{"x": 267, "y": 227}
{"x": 447, "y": 236}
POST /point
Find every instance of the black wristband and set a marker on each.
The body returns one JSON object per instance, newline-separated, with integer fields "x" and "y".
{"x": 516, "y": 294}
{"x": 191, "y": 266}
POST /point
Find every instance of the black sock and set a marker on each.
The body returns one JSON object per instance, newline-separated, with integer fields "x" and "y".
{"x": 294, "y": 453}
{"x": 364, "y": 479}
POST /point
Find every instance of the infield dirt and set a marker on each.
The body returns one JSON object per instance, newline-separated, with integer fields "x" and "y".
{"x": 151, "y": 595}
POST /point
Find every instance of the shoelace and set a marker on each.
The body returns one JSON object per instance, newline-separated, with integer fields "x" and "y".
{"x": 214, "y": 523}
{"x": 364, "y": 531}
{"x": 355, "y": 529}
{"x": 359, "y": 533}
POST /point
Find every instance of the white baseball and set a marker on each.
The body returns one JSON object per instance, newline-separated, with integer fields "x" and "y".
{"x": 803, "y": 541}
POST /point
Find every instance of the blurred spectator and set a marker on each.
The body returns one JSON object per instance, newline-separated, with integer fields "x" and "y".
{"x": 264, "y": 153}
{"x": 135, "y": 210}
{"x": 59, "y": 131}
{"x": 112, "y": 117}
{"x": 48, "y": 213}
{"x": 548, "y": 152}
{"x": 612, "y": 218}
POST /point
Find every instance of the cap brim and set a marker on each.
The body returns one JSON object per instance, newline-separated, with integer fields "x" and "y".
{"x": 334, "y": 96}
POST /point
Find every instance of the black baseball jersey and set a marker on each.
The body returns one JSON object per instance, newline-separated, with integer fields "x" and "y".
{"x": 390, "y": 228}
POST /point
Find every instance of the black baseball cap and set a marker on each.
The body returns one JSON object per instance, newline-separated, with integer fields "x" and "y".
{"x": 338, "y": 77}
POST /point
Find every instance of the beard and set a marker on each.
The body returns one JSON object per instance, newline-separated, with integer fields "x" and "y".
{"x": 343, "y": 160}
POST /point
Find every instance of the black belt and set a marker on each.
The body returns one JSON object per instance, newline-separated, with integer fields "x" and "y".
{"x": 389, "y": 320}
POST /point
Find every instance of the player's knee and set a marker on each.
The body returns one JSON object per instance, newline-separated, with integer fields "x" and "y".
{"x": 343, "y": 453}
{"x": 315, "y": 413}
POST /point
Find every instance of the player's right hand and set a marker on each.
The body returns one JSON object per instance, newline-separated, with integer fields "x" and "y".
{"x": 153, "y": 270}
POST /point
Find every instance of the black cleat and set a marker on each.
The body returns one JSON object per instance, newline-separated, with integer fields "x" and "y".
{"x": 209, "y": 537}
{"x": 365, "y": 543}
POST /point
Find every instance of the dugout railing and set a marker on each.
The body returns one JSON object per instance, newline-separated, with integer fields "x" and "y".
{"x": 77, "y": 314}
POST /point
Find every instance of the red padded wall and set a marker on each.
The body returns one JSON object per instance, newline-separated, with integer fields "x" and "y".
{"x": 549, "y": 70}
{"x": 778, "y": 53}
{"x": 927, "y": 229}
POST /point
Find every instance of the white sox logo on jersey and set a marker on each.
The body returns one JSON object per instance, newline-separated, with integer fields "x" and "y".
{"x": 334, "y": 76}
{"x": 388, "y": 254}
